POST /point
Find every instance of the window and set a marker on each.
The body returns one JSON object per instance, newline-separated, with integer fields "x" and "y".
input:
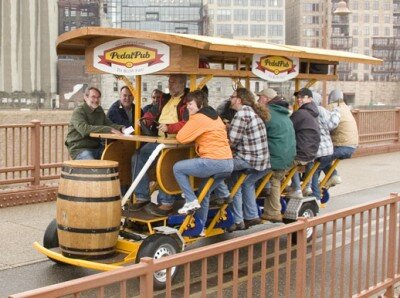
{"x": 311, "y": 19}
{"x": 258, "y": 3}
{"x": 144, "y": 87}
{"x": 366, "y": 18}
{"x": 115, "y": 86}
{"x": 240, "y": 14}
{"x": 223, "y": 14}
{"x": 240, "y": 2}
{"x": 257, "y": 15}
{"x": 355, "y": 42}
{"x": 73, "y": 13}
{"x": 366, "y": 42}
{"x": 375, "y": 31}
{"x": 366, "y": 5}
{"x": 311, "y": 7}
{"x": 224, "y": 30}
{"x": 257, "y": 30}
{"x": 240, "y": 30}
{"x": 376, "y": 5}
{"x": 182, "y": 30}
{"x": 386, "y": 6}
{"x": 387, "y": 18}
{"x": 387, "y": 31}
{"x": 366, "y": 31}
{"x": 366, "y": 52}
{"x": 275, "y": 3}
{"x": 355, "y": 18}
{"x": 275, "y": 30}
{"x": 375, "y": 19}
{"x": 159, "y": 85}
{"x": 151, "y": 16}
{"x": 224, "y": 2}
{"x": 257, "y": 86}
{"x": 275, "y": 15}
{"x": 311, "y": 32}
{"x": 354, "y": 5}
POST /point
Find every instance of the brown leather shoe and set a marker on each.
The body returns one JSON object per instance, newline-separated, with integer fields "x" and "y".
{"x": 136, "y": 206}
{"x": 252, "y": 222}
{"x": 272, "y": 218}
{"x": 236, "y": 227}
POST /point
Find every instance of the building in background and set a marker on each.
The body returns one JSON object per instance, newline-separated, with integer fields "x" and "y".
{"x": 369, "y": 29}
{"x": 72, "y": 77}
{"x": 175, "y": 16}
{"x": 27, "y": 53}
{"x": 255, "y": 20}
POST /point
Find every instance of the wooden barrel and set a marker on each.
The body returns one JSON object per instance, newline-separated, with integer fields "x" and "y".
{"x": 88, "y": 208}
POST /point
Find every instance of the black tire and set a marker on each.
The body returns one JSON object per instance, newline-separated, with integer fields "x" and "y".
{"x": 157, "y": 246}
{"x": 307, "y": 210}
{"x": 50, "y": 238}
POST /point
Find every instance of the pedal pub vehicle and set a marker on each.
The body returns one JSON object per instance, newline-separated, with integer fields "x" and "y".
{"x": 90, "y": 230}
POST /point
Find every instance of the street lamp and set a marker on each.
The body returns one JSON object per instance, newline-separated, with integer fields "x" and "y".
{"x": 341, "y": 10}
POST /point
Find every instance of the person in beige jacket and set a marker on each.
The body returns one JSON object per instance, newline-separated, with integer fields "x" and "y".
{"x": 344, "y": 136}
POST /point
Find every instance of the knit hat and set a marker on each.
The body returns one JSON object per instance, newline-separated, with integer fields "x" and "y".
{"x": 317, "y": 98}
{"x": 335, "y": 95}
{"x": 270, "y": 93}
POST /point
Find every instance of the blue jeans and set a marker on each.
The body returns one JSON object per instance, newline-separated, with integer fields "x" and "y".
{"x": 201, "y": 168}
{"x": 244, "y": 204}
{"x": 325, "y": 161}
{"x": 142, "y": 190}
{"x": 90, "y": 154}
{"x": 339, "y": 152}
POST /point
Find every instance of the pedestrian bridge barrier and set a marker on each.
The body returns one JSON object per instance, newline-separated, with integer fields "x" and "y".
{"x": 353, "y": 252}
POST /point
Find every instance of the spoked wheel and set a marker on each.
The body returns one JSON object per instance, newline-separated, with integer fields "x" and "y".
{"x": 308, "y": 210}
{"x": 157, "y": 246}
{"x": 50, "y": 238}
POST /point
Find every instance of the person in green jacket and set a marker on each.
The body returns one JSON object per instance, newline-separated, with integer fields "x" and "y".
{"x": 86, "y": 118}
{"x": 282, "y": 148}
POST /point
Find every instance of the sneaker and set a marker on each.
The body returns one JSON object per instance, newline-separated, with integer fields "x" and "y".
{"x": 307, "y": 191}
{"x": 272, "y": 218}
{"x": 252, "y": 222}
{"x": 296, "y": 194}
{"x": 203, "y": 233}
{"x": 237, "y": 227}
{"x": 334, "y": 180}
{"x": 189, "y": 207}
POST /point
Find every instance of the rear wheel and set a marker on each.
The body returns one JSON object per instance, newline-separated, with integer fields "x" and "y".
{"x": 50, "y": 238}
{"x": 157, "y": 246}
{"x": 307, "y": 210}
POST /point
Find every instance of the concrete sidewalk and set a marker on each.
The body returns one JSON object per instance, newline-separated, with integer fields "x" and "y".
{"x": 20, "y": 226}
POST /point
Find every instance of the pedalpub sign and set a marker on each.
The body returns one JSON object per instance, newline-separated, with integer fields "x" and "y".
{"x": 131, "y": 56}
{"x": 275, "y": 68}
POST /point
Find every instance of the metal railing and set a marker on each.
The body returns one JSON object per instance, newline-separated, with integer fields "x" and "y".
{"x": 353, "y": 253}
{"x": 31, "y": 154}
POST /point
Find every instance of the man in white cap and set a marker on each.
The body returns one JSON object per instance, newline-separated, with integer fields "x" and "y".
{"x": 266, "y": 95}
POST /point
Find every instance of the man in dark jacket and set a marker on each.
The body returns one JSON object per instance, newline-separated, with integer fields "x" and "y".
{"x": 122, "y": 111}
{"x": 282, "y": 149}
{"x": 306, "y": 126}
{"x": 86, "y": 118}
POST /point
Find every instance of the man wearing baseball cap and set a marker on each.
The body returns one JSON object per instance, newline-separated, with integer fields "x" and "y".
{"x": 306, "y": 126}
{"x": 266, "y": 95}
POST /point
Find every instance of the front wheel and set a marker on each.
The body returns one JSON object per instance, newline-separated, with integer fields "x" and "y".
{"x": 157, "y": 246}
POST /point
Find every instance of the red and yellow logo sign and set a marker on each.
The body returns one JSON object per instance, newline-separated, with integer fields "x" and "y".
{"x": 276, "y": 65}
{"x": 130, "y": 55}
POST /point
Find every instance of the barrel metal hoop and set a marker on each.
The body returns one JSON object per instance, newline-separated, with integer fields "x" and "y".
{"x": 87, "y": 249}
{"x": 89, "y": 230}
{"x": 89, "y": 171}
{"x": 83, "y": 178}
{"x": 88, "y": 200}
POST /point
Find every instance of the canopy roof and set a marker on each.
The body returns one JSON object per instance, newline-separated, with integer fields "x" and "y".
{"x": 75, "y": 42}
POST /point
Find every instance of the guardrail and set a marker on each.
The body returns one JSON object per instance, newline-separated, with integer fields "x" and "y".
{"x": 31, "y": 154}
{"x": 354, "y": 252}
